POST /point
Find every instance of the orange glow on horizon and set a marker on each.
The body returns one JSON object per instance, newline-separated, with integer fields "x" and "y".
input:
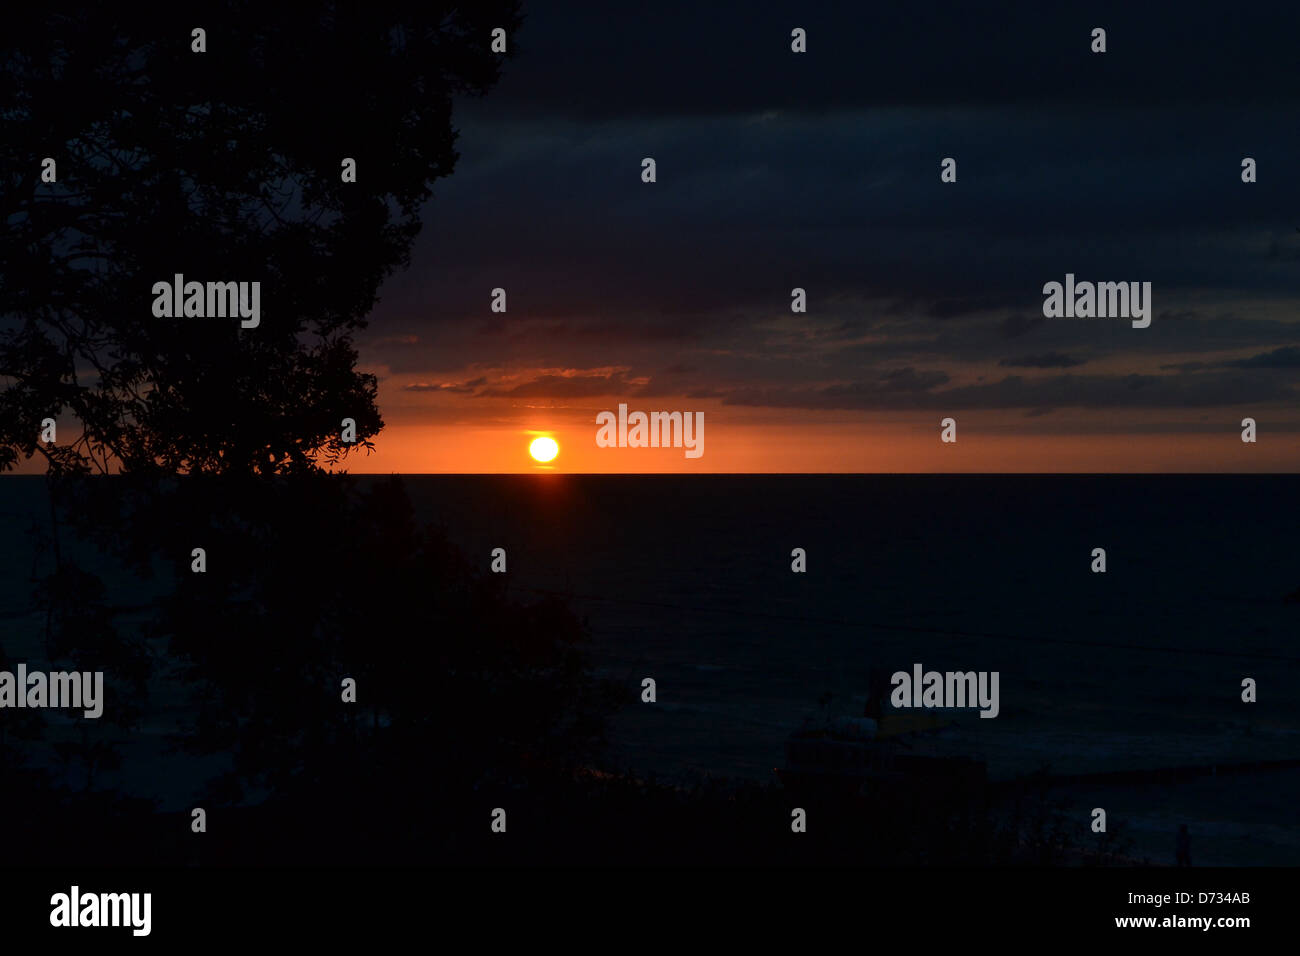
{"x": 822, "y": 448}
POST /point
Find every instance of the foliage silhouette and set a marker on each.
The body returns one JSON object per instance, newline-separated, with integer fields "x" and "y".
{"x": 221, "y": 166}
{"x": 226, "y": 166}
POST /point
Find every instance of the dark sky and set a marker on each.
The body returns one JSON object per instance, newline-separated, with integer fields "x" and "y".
{"x": 821, "y": 170}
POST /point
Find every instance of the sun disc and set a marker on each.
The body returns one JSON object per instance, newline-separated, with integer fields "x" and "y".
{"x": 543, "y": 449}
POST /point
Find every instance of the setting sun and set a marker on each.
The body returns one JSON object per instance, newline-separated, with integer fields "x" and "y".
{"x": 543, "y": 449}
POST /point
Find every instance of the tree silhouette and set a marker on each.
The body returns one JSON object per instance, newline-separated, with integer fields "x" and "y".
{"x": 226, "y": 166}
{"x": 222, "y": 166}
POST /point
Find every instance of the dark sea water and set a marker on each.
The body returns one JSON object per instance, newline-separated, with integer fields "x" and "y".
{"x": 688, "y": 580}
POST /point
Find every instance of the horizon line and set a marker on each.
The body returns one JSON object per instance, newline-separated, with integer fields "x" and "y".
{"x": 731, "y": 474}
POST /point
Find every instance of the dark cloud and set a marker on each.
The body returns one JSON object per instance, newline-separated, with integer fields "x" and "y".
{"x": 895, "y": 388}
{"x": 1014, "y": 326}
{"x": 821, "y": 171}
{"x": 678, "y": 57}
{"x": 1043, "y": 360}
{"x": 744, "y": 211}
{"x": 952, "y": 308}
{"x": 564, "y": 386}
{"x": 1287, "y": 357}
{"x": 464, "y": 388}
{"x": 909, "y": 380}
{"x": 1064, "y": 391}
